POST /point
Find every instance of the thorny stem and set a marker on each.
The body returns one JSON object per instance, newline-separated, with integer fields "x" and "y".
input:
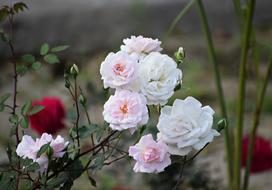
{"x": 78, "y": 114}
{"x": 255, "y": 125}
{"x": 116, "y": 159}
{"x": 15, "y": 74}
{"x": 241, "y": 95}
{"x": 15, "y": 78}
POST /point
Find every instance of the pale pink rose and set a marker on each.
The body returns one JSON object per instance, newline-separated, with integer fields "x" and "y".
{"x": 125, "y": 110}
{"x": 150, "y": 156}
{"x": 141, "y": 45}
{"x": 119, "y": 70}
{"x": 28, "y": 148}
{"x": 58, "y": 146}
{"x": 45, "y": 138}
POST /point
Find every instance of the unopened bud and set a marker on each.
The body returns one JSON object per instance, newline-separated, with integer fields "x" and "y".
{"x": 82, "y": 99}
{"x": 74, "y": 70}
{"x": 180, "y": 55}
{"x": 221, "y": 124}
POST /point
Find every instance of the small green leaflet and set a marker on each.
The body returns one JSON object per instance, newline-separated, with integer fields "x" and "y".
{"x": 4, "y": 97}
{"x": 43, "y": 149}
{"x": 28, "y": 58}
{"x": 44, "y": 49}
{"x": 36, "y": 109}
{"x": 59, "y": 48}
{"x": 51, "y": 58}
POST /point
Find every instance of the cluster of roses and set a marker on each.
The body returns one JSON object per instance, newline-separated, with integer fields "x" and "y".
{"x": 143, "y": 76}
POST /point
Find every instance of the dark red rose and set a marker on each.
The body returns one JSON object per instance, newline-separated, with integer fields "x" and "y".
{"x": 51, "y": 118}
{"x": 262, "y": 154}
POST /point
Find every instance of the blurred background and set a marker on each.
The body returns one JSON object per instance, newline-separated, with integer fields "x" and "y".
{"x": 93, "y": 28}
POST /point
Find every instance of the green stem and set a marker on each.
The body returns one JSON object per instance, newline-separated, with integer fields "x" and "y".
{"x": 220, "y": 92}
{"x": 238, "y": 11}
{"x": 255, "y": 126}
{"x": 241, "y": 95}
{"x": 178, "y": 17}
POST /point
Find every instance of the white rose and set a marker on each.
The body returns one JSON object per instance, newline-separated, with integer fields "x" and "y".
{"x": 140, "y": 46}
{"x": 119, "y": 70}
{"x": 159, "y": 76}
{"x": 186, "y": 126}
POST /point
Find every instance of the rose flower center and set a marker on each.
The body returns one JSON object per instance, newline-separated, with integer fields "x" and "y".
{"x": 124, "y": 108}
{"x": 150, "y": 154}
{"x": 118, "y": 68}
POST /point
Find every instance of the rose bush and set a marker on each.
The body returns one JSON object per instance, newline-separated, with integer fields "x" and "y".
{"x": 141, "y": 76}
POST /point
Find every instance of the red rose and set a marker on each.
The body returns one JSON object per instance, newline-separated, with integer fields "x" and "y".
{"x": 50, "y": 119}
{"x": 262, "y": 154}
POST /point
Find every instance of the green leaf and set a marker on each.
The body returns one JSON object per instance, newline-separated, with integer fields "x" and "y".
{"x": 57, "y": 181}
{"x": 24, "y": 122}
{"x": 29, "y": 165}
{"x": 51, "y": 58}
{"x": 44, "y": 49}
{"x": 86, "y": 131}
{"x": 59, "y": 48}
{"x": 2, "y": 107}
{"x": 3, "y": 14}
{"x": 36, "y": 65}
{"x": 20, "y": 6}
{"x": 72, "y": 133}
{"x": 100, "y": 132}
{"x": 21, "y": 69}
{"x": 26, "y": 108}
{"x": 43, "y": 149}
{"x": 4, "y": 97}
{"x": 13, "y": 119}
{"x": 67, "y": 185}
{"x": 98, "y": 161}
{"x": 36, "y": 109}
{"x": 32, "y": 167}
{"x": 28, "y": 58}
{"x": 92, "y": 180}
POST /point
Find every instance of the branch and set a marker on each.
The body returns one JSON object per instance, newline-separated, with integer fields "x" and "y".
{"x": 180, "y": 173}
